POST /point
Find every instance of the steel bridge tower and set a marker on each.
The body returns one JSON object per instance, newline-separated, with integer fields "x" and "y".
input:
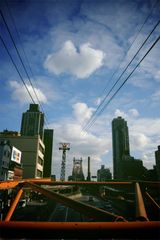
{"x": 64, "y": 147}
{"x": 77, "y": 172}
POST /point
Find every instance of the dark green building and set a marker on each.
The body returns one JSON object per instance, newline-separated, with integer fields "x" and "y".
{"x": 32, "y": 122}
{"x": 120, "y": 143}
{"x": 48, "y": 142}
{"x": 125, "y": 166}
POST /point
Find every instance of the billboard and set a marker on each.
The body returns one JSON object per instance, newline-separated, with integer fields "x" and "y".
{"x": 16, "y": 155}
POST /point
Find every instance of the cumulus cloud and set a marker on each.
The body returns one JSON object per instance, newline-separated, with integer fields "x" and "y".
{"x": 20, "y": 94}
{"x": 98, "y": 101}
{"x": 119, "y": 113}
{"x": 80, "y": 146}
{"x": 82, "y": 112}
{"x": 139, "y": 140}
{"x": 80, "y": 63}
{"x": 134, "y": 112}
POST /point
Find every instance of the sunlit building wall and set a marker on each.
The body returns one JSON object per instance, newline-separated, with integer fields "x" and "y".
{"x": 32, "y": 149}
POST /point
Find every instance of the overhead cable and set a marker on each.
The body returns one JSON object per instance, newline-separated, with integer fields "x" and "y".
{"x": 25, "y": 55}
{"x": 94, "y": 114}
{"x": 18, "y": 53}
{"x": 5, "y": 46}
{"x": 155, "y": 42}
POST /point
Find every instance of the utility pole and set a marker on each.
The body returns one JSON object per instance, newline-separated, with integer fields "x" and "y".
{"x": 64, "y": 147}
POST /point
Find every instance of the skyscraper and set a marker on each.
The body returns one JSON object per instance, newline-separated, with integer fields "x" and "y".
{"x": 48, "y": 142}
{"x": 120, "y": 142}
{"x": 157, "y": 157}
{"x": 32, "y": 122}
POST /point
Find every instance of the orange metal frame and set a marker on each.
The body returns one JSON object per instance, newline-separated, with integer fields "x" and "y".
{"x": 114, "y": 226}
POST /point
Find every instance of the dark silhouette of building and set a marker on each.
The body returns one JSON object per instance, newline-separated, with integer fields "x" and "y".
{"x": 103, "y": 174}
{"x": 131, "y": 168}
{"x": 48, "y": 142}
{"x": 32, "y": 122}
{"x": 124, "y": 166}
{"x": 120, "y": 141}
{"x": 157, "y": 159}
{"x": 89, "y": 173}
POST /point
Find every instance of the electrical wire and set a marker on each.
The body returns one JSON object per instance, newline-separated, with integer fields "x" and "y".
{"x": 5, "y": 46}
{"x": 155, "y": 42}
{"x": 21, "y": 60}
{"x": 144, "y": 42}
{"x": 128, "y": 49}
{"x": 25, "y": 55}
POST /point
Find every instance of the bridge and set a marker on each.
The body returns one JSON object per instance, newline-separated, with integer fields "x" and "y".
{"x": 141, "y": 201}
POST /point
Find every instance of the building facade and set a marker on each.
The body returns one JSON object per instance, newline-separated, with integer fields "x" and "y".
{"x": 103, "y": 174}
{"x": 32, "y": 149}
{"x": 5, "y": 156}
{"x": 48, "y": 142}
{"x": 125, "y": 167}
{"x": 77, "y": 172}
{"x": 120, "y": 143}
{"x": 157, "y": 158}
{"x": 32, "y": 122}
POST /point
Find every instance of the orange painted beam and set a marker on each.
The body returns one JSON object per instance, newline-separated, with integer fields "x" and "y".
{"x": 152, "y": 200}
{"x": 140, "y": 207}
{"x": 85, "y": 183}
{"x": 91, "y": 211}
{"x": 14, "y": 204}
{"x": 85, "y": 230}
{"x": 9, "y": 184}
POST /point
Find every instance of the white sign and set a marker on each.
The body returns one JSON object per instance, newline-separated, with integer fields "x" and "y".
{"x": 16, "y": 155}
{"x": 10, "y": 175}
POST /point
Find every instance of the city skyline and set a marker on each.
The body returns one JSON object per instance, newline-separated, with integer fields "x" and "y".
{"x": 73, "y": 55}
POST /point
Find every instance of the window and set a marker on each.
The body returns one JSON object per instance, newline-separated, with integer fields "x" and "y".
{"x": 39, "y": 173}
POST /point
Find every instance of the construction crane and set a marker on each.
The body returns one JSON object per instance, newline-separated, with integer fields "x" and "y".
{"x": 64, "y": 147}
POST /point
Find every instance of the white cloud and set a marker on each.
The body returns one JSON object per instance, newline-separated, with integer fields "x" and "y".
{"x": 81, "y": 145}
{"x": 98, "y": 101}
{"x": 80, "y": 63}
{"x": 20, "y": 94}
{"x": 119, "y": 113}
{"x": 134, "y": 112}
{"x": 82, "y": 112}
{"x": 139, "y": 141}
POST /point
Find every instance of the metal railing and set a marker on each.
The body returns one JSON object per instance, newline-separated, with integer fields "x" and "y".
{"x": 106, "y": 225}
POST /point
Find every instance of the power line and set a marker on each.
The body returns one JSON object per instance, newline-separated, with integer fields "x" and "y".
{"x": 155, "y": 42}
{"x": 5, "y": 46}
{"x": 21, "y": 60}
{"x": 128, "y": 49}
{"x": 25, "y": 55}
{"x": 94, "y": 114}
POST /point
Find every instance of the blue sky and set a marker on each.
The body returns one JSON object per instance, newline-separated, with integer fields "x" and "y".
{"x": 73, "y": 48}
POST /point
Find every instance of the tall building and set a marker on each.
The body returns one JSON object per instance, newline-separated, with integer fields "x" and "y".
{"x": 157, "y": 157}
{"x": 32, "y": 149}
{"x": 5, "y": 156}
{"x": 32, "y": 122}
{"x": 103, "y": 174}
{"x": 120, "y": 142}
{"x": 48, "y": 142}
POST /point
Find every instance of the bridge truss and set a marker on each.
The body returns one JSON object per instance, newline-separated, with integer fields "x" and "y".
{"x": 106, "y": 224}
